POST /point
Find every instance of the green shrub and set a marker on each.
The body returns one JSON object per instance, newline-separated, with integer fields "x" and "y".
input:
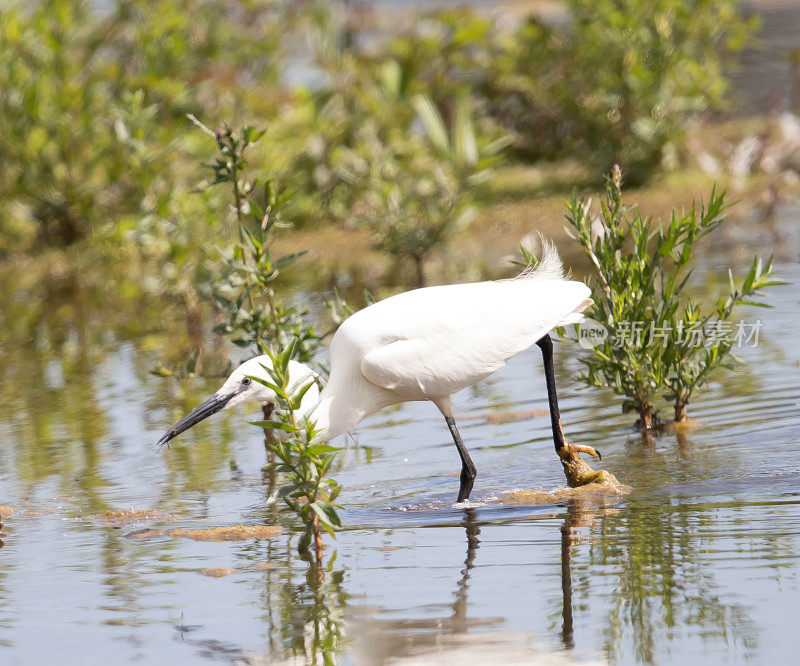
{"x": 205, "y": 57}
{"x": 93, "y": 106}
{"x": 303, "y": 457}
{"x": 245, "y": 289}
{"x": 614, "y": 81}
{"x": 331, "y": 132}
{"x": 257, "y": 318}
{"x": 618, "y": 78}
{"x": 445, "y": 56}
{"x": 659, "y": 340}
{"x": 419, "y": 191}
{"x": 61, "y": 164}
{"x": 338, "y": 133}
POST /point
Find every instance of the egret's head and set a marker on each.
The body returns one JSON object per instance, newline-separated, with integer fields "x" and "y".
{"x": 242, "y": 387}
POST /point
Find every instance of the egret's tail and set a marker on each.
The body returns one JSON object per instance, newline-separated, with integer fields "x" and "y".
{"x": 576, "y": 316}
{"x": 549, "y": 266}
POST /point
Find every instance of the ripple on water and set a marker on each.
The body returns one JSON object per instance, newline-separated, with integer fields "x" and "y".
{"x": 699, "y": 563}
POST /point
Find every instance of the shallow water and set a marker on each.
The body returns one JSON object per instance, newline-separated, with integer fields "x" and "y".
{"x": 700, "y": 563}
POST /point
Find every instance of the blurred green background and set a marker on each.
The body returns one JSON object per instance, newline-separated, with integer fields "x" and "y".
{"x": 418, "y": 139}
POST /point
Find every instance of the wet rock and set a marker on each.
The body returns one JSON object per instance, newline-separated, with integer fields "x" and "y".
{"x": 6, "y": 511}
{"x": 590, "y": 492}
{"x": 147, "y": 533}
{"x": 233, "y": 533}
{"x": 745, "y": 155}
{"x": 35, "y": 513}
{"x": 529, "y": 497}
{"x": 217, "y": 534}
{"x": 219, "y": 572}
{"x": 708, "y": 163}
{"x": 510, "y": 417}
{"x": 506, "y": 417}
{"x": 123, "y": 517}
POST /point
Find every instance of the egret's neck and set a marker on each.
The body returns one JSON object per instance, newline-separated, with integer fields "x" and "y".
{"x": 335, "y": 414}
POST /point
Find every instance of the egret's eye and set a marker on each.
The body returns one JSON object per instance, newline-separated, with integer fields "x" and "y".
{"x": 246, "y": 381}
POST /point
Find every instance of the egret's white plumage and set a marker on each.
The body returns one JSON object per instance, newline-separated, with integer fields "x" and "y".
{"x": 299, "y": 375}
{"x": 425, "y": 344}
{"x": 430, "y": 343}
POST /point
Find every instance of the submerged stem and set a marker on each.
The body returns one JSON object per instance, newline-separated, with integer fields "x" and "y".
{"x": 319, "y": 546}
{"x": 646, "y": 420}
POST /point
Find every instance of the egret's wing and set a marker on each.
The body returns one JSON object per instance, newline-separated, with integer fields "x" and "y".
{"x": 422, "y": 368}
{"x": 467, "y": 342}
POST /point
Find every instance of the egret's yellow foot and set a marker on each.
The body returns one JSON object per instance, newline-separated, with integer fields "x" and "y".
{"x": 580, "y": 473}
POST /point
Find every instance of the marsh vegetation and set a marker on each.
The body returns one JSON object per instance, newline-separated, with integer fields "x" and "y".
{"x": 183, "y": 185}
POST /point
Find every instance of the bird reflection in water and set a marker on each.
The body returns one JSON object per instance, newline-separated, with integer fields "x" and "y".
{"x": 324, "y": 613}
{"x": 473, "y": 531}
{"x": 571, "y": 520}
{"x": 579, "y": 514}
{"x": 376, "y": 637}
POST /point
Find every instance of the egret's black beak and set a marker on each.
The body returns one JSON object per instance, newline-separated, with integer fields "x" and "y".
{"x": 214, "y": 404}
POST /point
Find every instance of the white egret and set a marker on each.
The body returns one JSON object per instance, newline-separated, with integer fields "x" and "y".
{"x": 428, "y": 344}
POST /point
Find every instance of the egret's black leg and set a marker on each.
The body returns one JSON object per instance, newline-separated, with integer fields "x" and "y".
{"x": 468, "y": 471}
{"x": 577, "y": 470}
{"x": 546, "y": 345}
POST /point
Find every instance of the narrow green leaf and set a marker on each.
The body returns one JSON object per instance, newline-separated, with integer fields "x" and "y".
{"x": 432, "y": 121}
{"x": 273, "y": 425}
{"x": 318, "y": 449}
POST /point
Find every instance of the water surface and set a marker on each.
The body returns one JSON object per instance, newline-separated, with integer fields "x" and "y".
{"x": 699, "y": 564}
